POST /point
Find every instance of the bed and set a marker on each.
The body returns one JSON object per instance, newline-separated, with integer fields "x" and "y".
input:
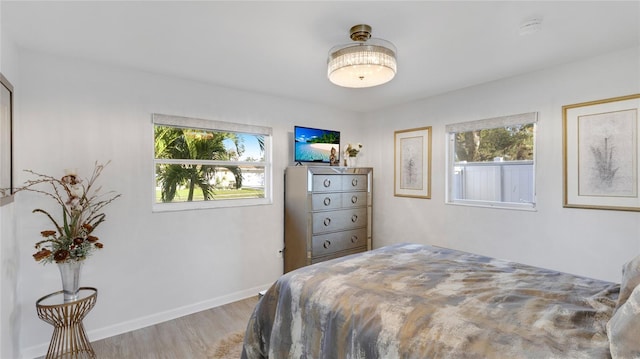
{"x": 420, "y": 301}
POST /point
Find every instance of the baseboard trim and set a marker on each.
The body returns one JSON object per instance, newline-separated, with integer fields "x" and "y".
{"x": 142, "y": 322}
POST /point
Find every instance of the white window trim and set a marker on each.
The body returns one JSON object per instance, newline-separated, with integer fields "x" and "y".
{"x": 213, "y": 125}
{"x": 169, "y": 120}
{"x": 503, "y": 121}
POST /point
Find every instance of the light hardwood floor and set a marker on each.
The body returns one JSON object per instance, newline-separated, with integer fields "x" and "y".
{"x": 193, "y": 336}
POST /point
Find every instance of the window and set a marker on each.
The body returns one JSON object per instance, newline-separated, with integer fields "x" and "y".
{"x": 492, "y": 162}
{"x": 208, "y": 164}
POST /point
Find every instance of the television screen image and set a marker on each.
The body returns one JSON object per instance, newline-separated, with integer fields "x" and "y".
{"x": 315, "y": 145}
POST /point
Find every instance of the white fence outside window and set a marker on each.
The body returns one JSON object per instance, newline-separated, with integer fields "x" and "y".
{"x": 510, "y": 181}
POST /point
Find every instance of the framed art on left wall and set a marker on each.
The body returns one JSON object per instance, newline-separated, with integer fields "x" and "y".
{"x": 6, "y": 122}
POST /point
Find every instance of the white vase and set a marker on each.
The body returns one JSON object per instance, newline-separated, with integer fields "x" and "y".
{"x": 70, "y": 275}
{"x": 352, "y": 161}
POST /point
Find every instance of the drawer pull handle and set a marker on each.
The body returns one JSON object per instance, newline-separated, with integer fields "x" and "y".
{"x": 327, "y": 183}
{"x": 327, "y": 201}
{"x": 354, "y": 199}
{"x": 327, "y": 244}
{"x": 354, "y": 218}
{"x": 327, "y": 221}
{"x": 354, "y": 238}
{"x": 354, "y": 182}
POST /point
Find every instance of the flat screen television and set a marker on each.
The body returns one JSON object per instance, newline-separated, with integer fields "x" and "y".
{"x": 315, "y": 145}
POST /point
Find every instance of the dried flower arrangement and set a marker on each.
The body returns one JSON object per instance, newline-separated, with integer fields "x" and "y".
{"x": 352, "y": 150}
{"x": 81, "y": 204}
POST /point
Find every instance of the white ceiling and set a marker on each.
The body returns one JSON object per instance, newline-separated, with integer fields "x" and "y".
{"x": 280, "y": 48}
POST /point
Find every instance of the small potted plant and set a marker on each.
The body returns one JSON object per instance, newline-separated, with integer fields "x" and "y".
{"x": 351, "y": 153}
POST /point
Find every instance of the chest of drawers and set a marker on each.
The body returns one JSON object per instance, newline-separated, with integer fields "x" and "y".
{"x": 327, "y": 213}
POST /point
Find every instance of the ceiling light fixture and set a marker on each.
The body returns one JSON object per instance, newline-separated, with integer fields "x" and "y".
{"x": 367, "y": 62}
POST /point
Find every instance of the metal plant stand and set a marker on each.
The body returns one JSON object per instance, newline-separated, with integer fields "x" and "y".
{"x": 69, "y": 339}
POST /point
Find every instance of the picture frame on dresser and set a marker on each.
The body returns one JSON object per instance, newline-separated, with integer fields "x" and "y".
{"x": 412, "y": 163}
{"x": 601, "y": 155}
{"x": 6, "y": 139}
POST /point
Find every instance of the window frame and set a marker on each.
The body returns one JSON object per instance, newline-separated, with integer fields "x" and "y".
{"x": 491, "y": 123}
{"x": 221, "y": 126}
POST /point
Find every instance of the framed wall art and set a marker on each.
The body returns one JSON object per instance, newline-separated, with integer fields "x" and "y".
{"x": 601, "y": 154}
{"x": 412, "y": 163}
{"x": 6, "y": 120}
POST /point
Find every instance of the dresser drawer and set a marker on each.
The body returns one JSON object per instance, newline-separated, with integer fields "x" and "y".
{"x": 331, "y": 201}
{"x": 339, "y": 220}
{"x": 326, "y": 183}
{"x": 354, "y": 182}
{"x": 326, "y": 201}
{"x": 354, "y": 199}
{"x": 326, "y": 244}
{"x": 337, "y": 255}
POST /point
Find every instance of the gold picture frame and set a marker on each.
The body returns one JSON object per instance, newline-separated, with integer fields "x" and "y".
{"x": 601, "y": 154}
{"x": 6, "y": 140}
{"x": 412, "y": 163}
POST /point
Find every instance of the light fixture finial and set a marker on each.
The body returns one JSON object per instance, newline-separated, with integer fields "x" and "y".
{"x": 360, "y": 32}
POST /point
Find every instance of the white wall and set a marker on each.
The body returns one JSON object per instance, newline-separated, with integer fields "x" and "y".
{"x": 593, "y": 243}
{"x": 155, "y": 266}
{"x": 9, "y": 251}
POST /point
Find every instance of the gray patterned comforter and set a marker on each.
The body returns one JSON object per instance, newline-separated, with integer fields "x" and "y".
{"x": 416, "y": 301}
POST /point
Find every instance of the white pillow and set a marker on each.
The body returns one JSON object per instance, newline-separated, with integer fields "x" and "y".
{"x": 630, "y": 280}
{"x": 623, "y": 329}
